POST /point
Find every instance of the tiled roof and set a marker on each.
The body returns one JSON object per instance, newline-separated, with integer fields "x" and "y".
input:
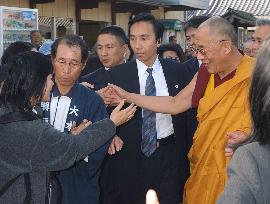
{"x": 219, "y": 7}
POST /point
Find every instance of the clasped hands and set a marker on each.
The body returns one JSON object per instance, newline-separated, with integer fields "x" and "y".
{"x": 112, "y": 95}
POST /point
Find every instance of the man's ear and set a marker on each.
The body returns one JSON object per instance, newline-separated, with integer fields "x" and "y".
{"x": 227, "y": 47}
{"x": 125, "y": 47}
{"x": 52, "y": 61}
{"x": 84, "y": 64}
{"x": 159, "y": 41}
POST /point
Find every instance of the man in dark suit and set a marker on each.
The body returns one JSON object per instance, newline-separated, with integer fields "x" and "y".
{"x": 154, "y": 154}
{"x": 112, "y": 48}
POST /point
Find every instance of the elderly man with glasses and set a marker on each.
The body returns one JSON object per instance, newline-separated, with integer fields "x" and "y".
{"x": 73, "y": 103}
{"x": 223, "y": 110}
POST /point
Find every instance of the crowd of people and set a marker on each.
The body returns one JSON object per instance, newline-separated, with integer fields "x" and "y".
{"x": 192, "y": 127}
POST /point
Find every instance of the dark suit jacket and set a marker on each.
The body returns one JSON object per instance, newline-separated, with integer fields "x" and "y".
{"x": 192, "y": 66}
{"x": 98, "y": 78}
{"x": 123, "y": 167}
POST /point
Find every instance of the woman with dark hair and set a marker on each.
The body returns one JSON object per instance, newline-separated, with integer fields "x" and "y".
{"x": 11, "y": 51}
{"x": 31, "y": 147}
{"x": 14, "y": 49}
{"x": 172, "y": 51}
{"x": 249, "y": 170}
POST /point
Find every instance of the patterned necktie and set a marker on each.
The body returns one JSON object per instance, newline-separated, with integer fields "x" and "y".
{"x": 149, "y": 133}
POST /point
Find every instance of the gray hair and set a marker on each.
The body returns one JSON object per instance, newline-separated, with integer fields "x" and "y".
{"x": 262, "y": 22}
{"x": 221, "y": 27}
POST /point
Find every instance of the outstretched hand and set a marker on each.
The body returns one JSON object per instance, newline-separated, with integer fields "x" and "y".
{"x": 120, "y": 92}
{"x": 76, "y": 130}
{"x": 235, "y": 139}
{"x": 116, "y": 145}
{"x": 88, "y": 85}
{"x": 119, "y": 116}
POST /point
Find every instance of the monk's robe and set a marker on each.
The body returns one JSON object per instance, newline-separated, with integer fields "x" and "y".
{"x": 222, "y": 110}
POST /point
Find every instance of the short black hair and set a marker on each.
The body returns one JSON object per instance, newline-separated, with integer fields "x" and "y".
{"x": 147, "y": 17}
{"x": 61, "y": 31}
{"x": 195, "y": 22}
{"x": 26, "y": 80}
{"x": 116, "y": 31}
{"x": 14, "y": 49}
{"x": 71, "y": 41}
{"x": 259, "y": 95}
{"x": 172, "y": 47}
{"x": 171, "y": 38}
{"x": 34, "y": 31}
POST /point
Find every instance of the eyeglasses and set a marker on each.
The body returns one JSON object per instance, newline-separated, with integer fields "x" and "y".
{"x": 201, "y": 50}
{"x": 172, "y": 58}
{"x": 64, "y": 63}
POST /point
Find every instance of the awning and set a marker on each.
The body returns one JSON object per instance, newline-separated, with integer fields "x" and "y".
{"x": 192, "y": 4}
{"x": 240, "y": 18}
{"x": 47, "y": 21}
{"x": 172, "y": 24}
{"x": 219, "y": 7}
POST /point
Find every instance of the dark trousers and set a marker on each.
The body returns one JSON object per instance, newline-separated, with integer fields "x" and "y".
{"x": 128, "y": 184}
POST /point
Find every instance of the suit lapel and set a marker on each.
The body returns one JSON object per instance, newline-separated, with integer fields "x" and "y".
{"x": 172, "y": 84}
{"x": 133, "y": 78}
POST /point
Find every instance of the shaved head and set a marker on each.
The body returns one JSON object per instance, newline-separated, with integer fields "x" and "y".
{"x": 221, "y": 28}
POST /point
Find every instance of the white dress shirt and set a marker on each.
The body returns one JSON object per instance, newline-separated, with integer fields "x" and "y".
{"x": 164, "y": 125}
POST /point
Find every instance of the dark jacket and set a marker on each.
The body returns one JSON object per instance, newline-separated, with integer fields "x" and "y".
{"x": 98, "y": 78}
{"x": 80, "y": 183}
{"x": 35, "y": 147}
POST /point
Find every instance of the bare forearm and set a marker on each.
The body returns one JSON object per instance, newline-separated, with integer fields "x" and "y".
{"x": 166, "y": 104}
{"x": 153, "y": 103}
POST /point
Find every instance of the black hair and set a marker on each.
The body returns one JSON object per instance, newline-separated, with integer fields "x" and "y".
{"x": 71, "y": 41}
{"x": 147, "y": 17}
{"x": 33, "y": 32}
{"x": 14, "y": 49}
{"x": 195, "y": 22}
{"x": 116, "y": 31}
{"x": 61, "y": 31}
{"x": 171, "y": 38}
{"x": 259, "y": 95}
{"x": 26, "y": 80}
{"x": 172, "y": 47}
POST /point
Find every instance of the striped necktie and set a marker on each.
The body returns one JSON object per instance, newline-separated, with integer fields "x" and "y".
{"x": 149, "y": 132}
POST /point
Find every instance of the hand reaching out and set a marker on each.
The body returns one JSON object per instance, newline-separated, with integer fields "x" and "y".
{"x": 116, "y": 145}
{"x": 234, "y": 140}
{"x": 120, "y": 92}
{"x": 87, "y": 85}
{"x": 104, "y": 92}
{"x": 76, "y": 130}
{"x": 119, "y": 116}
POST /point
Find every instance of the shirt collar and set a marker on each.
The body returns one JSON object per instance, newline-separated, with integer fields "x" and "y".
{"x": 142, "y": 67}
{"x": 70, "y": 94}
